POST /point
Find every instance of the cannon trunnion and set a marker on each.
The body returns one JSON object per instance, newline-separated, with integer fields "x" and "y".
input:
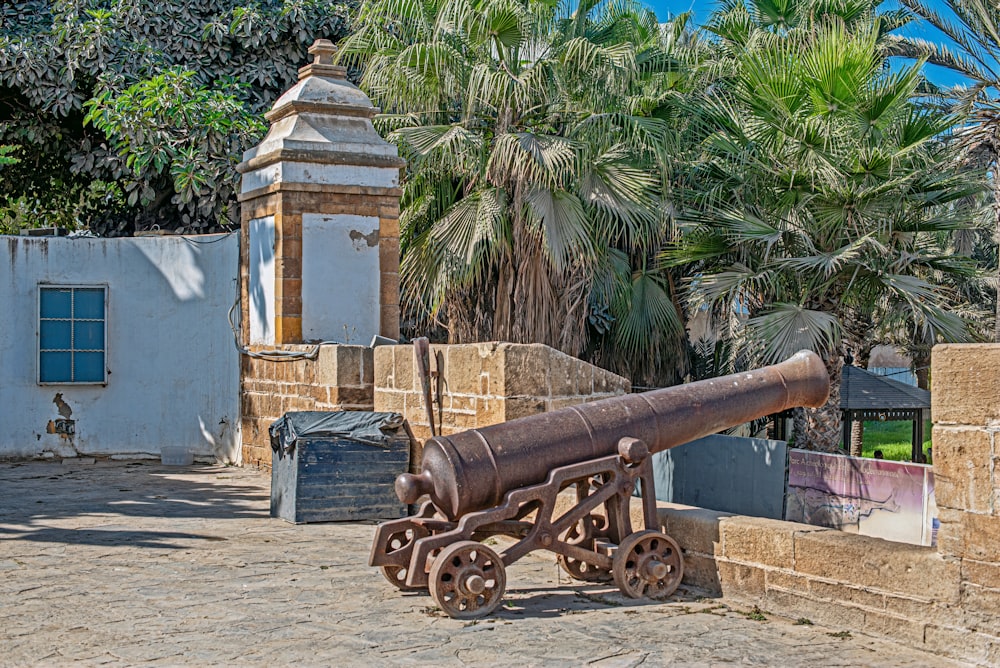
{"x": 503, "y": 480}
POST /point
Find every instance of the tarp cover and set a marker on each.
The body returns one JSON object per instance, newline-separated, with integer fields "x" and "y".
{"x": 365, "y": 427}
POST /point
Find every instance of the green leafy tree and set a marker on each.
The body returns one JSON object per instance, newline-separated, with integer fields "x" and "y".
{"x": 532, "y": 202}
{"x": 969, "y": 46}
{"x": 823, "y": 199}
{"x": 129, "y": 113}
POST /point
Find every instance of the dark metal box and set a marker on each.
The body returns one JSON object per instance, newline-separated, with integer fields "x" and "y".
{"x": 329, "y": 467}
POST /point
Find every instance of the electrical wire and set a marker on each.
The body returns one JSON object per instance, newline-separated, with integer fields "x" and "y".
{"x": 271, "y": 355}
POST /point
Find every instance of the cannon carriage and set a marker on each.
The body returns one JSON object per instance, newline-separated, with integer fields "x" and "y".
{"x": 504, "y": 480}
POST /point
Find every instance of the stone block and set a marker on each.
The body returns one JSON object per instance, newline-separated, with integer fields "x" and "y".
{"x": 287, "y": 329}
{"x": 404, "y": 368}
{"x": 872, "y": 562}
{"x": 777, "y": 579}
{"x": 565, "y": 402}
{"x": 386, "y": 401}
{"x": 288, "y": 247}
{"x": 605, "y": 382}
{"x": 900, "y": 629}
{"x": 700, "y": 571}
{"x": 389, "y": 321}
{"x": 957, "y": 643}
{"x": 982, "y": 573}
{"x": 383, "y": 367}
{"x": 526, "y": 368}
{"x": 368, "y": 367}
{"x": 352, "y": 396}
{"x": 924, "y": 610}
{"x": 461, "y": 421}
{"x": 490, "y": 410}
{"x": 962, "y": 468}
{"x": 461, "y": 403}
{"x": 562, "y": 374}
{"x": 350, "y": 362}
{"x": 741, "y": 581}
{"x": 980, "y": 537}
{"x": 828, "y": 613}
{"x": 492, "y": 358}
{"x": 518, "y": 407}
{"x": 694, "y": 529}
{"x": 758, "y": 541}
{"x": 388, "y": 288}
{"x": 965, "y": 384}
{"x": 388, "y": 224}
{"x": 949, "y": 536}
{"x": 984, "y": 602}
{"x": 836, "y": 591}
{"x": 318, "y": 393}
{"x": 464, "y": 366}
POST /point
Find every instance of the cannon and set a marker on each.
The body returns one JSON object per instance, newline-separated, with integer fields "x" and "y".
{"x": 503, "y": 480}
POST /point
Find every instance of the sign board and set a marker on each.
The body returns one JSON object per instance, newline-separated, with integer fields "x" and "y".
{"x": 871, "y": 497}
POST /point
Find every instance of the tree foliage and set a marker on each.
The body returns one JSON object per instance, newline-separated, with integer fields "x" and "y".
{"x": 532, "y": 207}
{"x": 823, "y": 198}
{"x": 132, "y": 113}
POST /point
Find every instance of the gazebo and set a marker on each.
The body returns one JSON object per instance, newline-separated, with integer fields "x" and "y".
{"x": 865, "y": 396}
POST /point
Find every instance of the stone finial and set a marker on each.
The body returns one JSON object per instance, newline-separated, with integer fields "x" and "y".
{"x": 324, "y": 51}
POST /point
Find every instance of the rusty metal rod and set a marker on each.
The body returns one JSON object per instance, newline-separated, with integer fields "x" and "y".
{"x": 473, "y": 470}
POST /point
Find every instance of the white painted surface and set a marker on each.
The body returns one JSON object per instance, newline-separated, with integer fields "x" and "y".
{"x": 313, "y": 173}
{"x": 261, "y": 283}
{"x": 173, "y": 369}
{"x": 340, "y": 278}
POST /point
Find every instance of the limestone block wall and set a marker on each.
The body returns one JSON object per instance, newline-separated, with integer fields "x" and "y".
{"x": 944, "y": 600}
{"x": 340, "y": 378}
{"x": 488, "y": 383}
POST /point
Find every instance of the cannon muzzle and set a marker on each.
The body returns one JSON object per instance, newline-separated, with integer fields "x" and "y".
{"x": 474, "y": 469}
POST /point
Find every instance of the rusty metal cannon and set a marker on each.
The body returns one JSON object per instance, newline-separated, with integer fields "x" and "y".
{"x": 503, "y": 480}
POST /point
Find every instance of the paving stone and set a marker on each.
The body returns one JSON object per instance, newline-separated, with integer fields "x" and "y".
{"x": 123, "y": 563}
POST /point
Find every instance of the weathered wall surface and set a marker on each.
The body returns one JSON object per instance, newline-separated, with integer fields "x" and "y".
{"x": 945, "y": 599}
{"x": 488, "y": 383}
{"x": 173, "y": 371}
{"x": 338, "y": 379}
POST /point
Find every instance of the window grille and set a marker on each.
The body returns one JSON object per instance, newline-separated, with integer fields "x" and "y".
{"x": 72, "y": 334}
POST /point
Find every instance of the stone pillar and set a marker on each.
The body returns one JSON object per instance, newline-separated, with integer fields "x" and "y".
{"x": 965, "y": 407}
{"x": 320, "y": 217}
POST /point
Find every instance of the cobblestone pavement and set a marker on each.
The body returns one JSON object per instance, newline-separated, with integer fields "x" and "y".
{"x": 118, "y": 563}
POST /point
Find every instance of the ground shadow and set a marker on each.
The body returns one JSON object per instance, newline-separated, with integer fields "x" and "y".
{"x": 34, "y": 494}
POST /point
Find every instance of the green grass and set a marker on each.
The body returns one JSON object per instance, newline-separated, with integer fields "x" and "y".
{"x": 893, "y": 439}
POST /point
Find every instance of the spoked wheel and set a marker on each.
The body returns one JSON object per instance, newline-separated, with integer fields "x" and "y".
{"x": 396, "y": 575}
{"x": 581, "y": 570}
{"x": 582, "y": 534}
{"x": 648, "y": 563}
{"x": 467, "y": 580}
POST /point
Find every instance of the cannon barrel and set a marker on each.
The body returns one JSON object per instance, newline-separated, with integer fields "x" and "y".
{"x": 474, "y": 469}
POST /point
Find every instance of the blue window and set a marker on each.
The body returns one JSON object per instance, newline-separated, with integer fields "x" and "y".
{"x": 72, "y": 334}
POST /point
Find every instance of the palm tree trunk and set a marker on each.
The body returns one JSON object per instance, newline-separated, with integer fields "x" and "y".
{"x": 857, "y": 437}
{"x": 996, "y": 226}
{"x": 820, "y": 428}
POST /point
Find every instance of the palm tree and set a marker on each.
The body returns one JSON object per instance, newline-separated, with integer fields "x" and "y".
{"x": 819, "y": 198}
{"x": 972, "y": 34}
{"x": 532, "y": 201}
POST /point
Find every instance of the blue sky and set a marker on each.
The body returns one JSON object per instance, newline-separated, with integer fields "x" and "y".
{"x": 701, "y": 11}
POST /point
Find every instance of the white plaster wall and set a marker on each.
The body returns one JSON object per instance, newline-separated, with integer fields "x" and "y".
{"x": 340, "y": 278}
{"x": 317, "y": 173}
{"x": 173, "y": 367}
{"x": 261, "y": 282}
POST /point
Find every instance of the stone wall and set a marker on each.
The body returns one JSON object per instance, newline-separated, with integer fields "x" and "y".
{"x": 487, "y": 383}
{"x": 944, "y": 600}
{"x": 338, "y": 379}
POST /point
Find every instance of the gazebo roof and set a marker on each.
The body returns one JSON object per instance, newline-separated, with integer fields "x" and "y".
{"x": 861, "y": 390}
